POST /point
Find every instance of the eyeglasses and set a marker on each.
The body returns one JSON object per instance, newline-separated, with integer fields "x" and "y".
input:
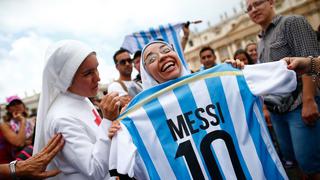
{"x": 124, "y": 61}
{"x": 255, "y": 5}
{"x": 152, "y": 57}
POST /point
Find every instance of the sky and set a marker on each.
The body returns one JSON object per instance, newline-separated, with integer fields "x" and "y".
{"x": 28, "y": 27}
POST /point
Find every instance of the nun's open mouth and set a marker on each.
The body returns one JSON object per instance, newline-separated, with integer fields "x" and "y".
{"x": 167, "y": 66}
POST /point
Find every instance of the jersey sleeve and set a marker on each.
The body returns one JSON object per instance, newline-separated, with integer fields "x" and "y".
{"x": 90, "y": 158}
{"x": 116, "y": 87}
{"x": 124, "y": 157}
{"x": 270, "y": 78}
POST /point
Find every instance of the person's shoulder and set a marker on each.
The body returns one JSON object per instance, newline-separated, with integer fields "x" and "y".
{"x": 118, "y": 86}
{"x": 4, "y": 124}
{"x": 128, "y": 83}
{"x": 62, "y": 115}
{"x": 65, "y": 104}
{"x": 131, "y": 83}
{"x": 114, "y": 84}
{"x": 293, "y": 19}
{"x": 293, "y": 16}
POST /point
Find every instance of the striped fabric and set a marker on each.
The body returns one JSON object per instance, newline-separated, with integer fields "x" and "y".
{"x": 206, "y": 125}
{"x": 25, "y": 153}
{"x": 170, "y": 33}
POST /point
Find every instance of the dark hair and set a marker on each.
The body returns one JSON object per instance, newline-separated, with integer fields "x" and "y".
{"x": 137, "y": 54}
{"x": 205, "y": 49}
{"x": 160, "y": 39}
{"x": 121, "y": 50}
{"x": 241, "y": 51}
{"x": 249, "y": 44}
{"x": 13, "y": 103}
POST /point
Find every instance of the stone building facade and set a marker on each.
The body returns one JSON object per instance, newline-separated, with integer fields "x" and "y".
{"x": 236, "y": 31}
{"x": 225, "y": 37}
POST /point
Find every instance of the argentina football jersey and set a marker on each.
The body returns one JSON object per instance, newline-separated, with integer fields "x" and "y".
{"x": 207, "y": 125}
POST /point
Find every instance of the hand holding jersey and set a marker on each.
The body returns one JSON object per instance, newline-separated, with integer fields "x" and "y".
{"x": 110, "y": 106}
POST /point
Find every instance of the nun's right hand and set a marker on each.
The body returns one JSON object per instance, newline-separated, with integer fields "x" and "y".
{"x": 124, "y": 100}
{"x": 114, "y": 129}
{"x": 110, "y": 106}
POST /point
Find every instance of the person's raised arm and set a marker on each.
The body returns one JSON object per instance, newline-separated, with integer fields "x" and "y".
{"x": 16, "y": 139}
{"x": 185, "y": 37}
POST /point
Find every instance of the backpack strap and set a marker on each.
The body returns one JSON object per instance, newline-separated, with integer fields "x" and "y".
{"x": 138, "y": 84}
{"x": 124, "y": 87}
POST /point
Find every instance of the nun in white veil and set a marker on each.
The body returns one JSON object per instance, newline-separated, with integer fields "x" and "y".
{"x": 173, "y": 64}
{"x": 69, "y": 78}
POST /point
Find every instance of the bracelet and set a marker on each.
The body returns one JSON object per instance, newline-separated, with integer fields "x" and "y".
{"x": 312, "y": 71}
{"x": 312, "y": 65}
{"x": 317, "y": 73}
{"x": 12, "y": 168}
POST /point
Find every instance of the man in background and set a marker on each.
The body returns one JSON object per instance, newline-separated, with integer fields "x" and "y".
{"x": 125, "y": 86}
{"x": 207, "y": 58}
{"x": 295, "y": 116}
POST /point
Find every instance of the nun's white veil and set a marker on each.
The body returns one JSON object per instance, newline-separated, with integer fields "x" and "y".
{"x": 63, "y": 59}
{"x": 147, "y": 80}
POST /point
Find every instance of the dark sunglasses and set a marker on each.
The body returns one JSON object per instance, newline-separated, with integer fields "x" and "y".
{"x": 124, "y": 61}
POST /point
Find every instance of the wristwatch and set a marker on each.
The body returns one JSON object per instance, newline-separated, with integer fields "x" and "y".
{"x": 12, "y": 168}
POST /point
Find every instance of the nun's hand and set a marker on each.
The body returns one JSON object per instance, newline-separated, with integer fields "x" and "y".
{"x": 125, "y": 100}
{"x": 235, "y": 63}
{"x": 114, "y": 129}
{"x": 110, "y": 106}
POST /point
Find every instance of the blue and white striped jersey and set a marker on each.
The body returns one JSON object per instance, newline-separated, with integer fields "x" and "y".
{"x": 207, "y": 125}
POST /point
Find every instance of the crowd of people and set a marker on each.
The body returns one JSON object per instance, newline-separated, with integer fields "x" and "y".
{"x": 73, "y": 133}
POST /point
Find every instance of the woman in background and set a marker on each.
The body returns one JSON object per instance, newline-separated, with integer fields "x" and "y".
{"x": 17, "y": 129}
{"x": 243, "y": 56}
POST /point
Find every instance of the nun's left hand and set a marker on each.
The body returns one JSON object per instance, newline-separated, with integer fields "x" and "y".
{"x": 114, "y": 129}
{"x": 235, "y": 63}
